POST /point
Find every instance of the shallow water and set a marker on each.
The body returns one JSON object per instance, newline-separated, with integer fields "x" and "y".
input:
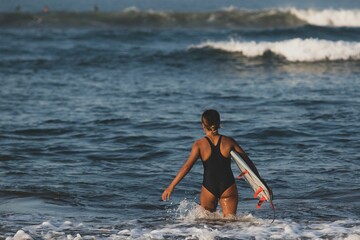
{"x": 96, "y": 121}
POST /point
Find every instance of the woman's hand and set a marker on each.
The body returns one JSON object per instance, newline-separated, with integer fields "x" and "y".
{"x": 166, "y": 194}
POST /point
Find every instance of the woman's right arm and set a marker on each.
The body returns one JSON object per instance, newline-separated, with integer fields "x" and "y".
{"x": 246, "y": 158}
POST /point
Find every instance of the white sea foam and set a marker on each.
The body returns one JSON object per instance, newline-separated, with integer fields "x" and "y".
{"x": 131, "y": 9}
{"x": 318, "y": 17}
{"x": 328, "y": 17}
{"x": 193, "y": 222}
{"x": 20, "y": 235}
{"x": 293, "y": 50}
{"x": 257, "y": 229}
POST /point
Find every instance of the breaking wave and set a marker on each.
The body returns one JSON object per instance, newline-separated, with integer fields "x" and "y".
{"x": 328, "y": 17}
{"x": 225, "y": 18}
{"x": 293, "y": 50}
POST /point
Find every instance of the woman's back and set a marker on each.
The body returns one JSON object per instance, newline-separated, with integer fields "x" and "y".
{"x": 217, "y": 169}
{"x": 226, "y": 145}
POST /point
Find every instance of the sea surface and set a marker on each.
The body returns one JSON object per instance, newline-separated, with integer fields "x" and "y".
{"x": 99, "y": 110}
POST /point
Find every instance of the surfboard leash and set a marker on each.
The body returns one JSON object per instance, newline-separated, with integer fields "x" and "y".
{"x": 273, "y": 208}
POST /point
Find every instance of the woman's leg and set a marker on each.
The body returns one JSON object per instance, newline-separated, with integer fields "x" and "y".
{"x": 208, "y": 200}
{"x": 229, "y": 201}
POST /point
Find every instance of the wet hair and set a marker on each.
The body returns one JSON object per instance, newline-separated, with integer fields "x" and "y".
{"x": 211, "y": 120}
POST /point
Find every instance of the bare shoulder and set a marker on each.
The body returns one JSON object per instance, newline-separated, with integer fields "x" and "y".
{"x": 232, "y": 144}
{"x": 227, "y": 144}
{"x": 228, "y": 140}
{"x": 200, "y": 142}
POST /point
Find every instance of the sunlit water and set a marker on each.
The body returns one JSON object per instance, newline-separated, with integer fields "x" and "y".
{"x": 97, "y": 120}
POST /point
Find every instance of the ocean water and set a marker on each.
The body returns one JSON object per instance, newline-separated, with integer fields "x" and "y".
{"x": 98, "y": 111}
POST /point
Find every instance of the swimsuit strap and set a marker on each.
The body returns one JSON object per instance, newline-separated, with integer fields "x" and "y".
{"x": 212, "y": 144}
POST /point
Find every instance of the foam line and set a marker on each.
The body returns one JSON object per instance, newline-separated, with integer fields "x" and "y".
{"x": 293, "y": 50}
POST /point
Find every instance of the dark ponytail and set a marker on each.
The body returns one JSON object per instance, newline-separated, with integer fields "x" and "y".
{"x": 211, "y": 120}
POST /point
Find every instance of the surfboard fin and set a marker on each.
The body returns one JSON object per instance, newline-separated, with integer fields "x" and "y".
{"x": 261, "y": 201}
{"x": 258, "y": 192}
{"x": 242, "y": 174}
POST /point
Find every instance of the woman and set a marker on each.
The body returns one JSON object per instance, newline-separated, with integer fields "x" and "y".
{"x": 218, "y": 182}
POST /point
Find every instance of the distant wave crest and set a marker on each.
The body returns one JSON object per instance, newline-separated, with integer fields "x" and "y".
{"x": 230, "y": 17}
{"x": 293, "y": 50}
{"x": 328, "y": 17}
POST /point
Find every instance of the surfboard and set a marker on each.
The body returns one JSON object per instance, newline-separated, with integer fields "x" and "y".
{"x": 260, "y": 188}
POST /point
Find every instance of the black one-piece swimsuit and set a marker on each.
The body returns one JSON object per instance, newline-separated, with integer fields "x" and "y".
{"x": 218, "y": 175}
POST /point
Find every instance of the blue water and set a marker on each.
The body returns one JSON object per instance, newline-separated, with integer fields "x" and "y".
{"x": 100, "y": 110}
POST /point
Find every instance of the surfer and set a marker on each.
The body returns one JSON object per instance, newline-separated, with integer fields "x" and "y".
{"x": 46, "y": 9}
{"x": 218, "y": 180}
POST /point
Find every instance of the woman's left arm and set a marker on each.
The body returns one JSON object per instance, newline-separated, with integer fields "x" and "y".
{"x": 185, "y": 169}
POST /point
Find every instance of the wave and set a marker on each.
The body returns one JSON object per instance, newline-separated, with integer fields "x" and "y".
{"x": 293, "y": 50}
{"x": 328, "y": 17}
{"x": 224, "y": 18}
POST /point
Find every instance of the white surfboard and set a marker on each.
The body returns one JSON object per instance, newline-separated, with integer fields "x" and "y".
{"x": 260, "y": 189}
